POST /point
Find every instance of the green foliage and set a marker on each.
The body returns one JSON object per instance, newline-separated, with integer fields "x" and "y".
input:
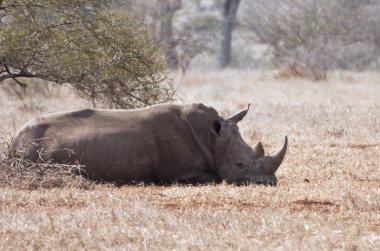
{"x": 206, "y": 23}
{"x": 100, "y": 51}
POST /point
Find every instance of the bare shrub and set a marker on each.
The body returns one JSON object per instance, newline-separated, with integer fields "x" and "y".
{"x": 296, "y": 69}
{"x": 318, "y": 35}
{"x": 23, "y": 174}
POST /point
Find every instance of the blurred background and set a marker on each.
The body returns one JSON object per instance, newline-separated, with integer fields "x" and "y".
{"x": 303, "y": 37}
{"x": 123, "y": 53}
{"x": 327, "y": 35}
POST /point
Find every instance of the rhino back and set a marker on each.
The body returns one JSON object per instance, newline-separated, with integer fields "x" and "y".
{"x": 145, "y": 144}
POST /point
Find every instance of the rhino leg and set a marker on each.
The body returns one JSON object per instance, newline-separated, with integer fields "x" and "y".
{"x": 199, "y": 179}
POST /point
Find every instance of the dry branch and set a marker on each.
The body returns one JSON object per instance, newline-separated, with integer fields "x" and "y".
{"x": 24, "y": 174}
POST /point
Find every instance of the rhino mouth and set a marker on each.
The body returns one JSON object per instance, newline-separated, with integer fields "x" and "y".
{"x": 271, "y": 181}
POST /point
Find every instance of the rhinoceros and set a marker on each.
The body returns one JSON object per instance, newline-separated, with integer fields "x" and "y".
{"x": 164, "y": 143}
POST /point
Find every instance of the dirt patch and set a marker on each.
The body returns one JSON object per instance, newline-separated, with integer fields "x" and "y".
{"x": 313, "y": 205}
{"x": 62, "y": 203}
{"x": 225, "y": 205}
{"x": 355, "y": 146}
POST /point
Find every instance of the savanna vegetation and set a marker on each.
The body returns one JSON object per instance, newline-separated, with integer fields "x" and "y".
{"x": 128, "y": 54}
{"x": 328, "y": 195}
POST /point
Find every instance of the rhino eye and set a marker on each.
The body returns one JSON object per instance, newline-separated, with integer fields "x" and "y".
{"x": 239, "y": 165}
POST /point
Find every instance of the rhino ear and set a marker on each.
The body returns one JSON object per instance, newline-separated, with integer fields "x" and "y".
{"x": 239, "y": 115}
{"x": 215, "y": 127}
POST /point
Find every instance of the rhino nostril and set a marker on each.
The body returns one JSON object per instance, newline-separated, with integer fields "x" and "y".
{"x": 239, "y": 165}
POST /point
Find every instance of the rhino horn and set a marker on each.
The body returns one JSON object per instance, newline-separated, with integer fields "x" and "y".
{"x": 235, "y": 118}
{"x": 258, "y": 151}
{"x": 276, "y": 159}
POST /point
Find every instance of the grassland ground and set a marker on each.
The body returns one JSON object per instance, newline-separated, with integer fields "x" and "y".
{"x": 328, "y": 196}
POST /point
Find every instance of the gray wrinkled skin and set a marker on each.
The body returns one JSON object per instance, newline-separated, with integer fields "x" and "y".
{"x": 159, "y": 144}
{"x": 239, "y": 163}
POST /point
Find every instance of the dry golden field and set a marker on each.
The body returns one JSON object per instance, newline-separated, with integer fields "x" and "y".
{"x": 327, "y": 198}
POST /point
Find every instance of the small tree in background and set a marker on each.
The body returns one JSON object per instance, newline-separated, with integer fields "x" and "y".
{"x": 311, "y": 37}
{"x": 183, "y": 34}
{"x": 158, "y": 16}
{"x": 101, "y": 52}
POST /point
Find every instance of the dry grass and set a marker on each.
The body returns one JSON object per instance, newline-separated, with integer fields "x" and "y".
{"x": 328, "y": 195}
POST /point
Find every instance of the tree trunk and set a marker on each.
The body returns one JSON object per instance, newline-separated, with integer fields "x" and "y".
{"x": 167, "y": 10}
{"x": 230, "y": 9}
{"x": 198, "y": 5}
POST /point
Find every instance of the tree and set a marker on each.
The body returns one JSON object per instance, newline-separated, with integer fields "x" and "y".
{"x": 167, "y": 10}
{"x": 100, "y": 51}
{"x": 311, "y": 37}
{"x": 158, "y": 16}
{"x": 230, "y": 8}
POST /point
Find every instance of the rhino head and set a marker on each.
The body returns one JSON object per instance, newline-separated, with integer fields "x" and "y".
{"x": 235, "y": 160}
